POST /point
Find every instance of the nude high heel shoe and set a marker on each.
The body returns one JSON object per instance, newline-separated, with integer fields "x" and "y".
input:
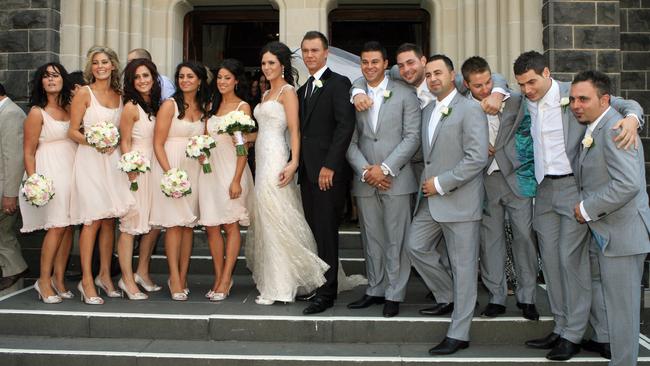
{"x": 62, "y": 294}
{"x": 220, "y": 296}
{"x": 54, "y": 299}
{"x": 99, "y": 284}
{"x": 132, "y": 296}
{"x": 176, "y": 296}
{"x": 149, "y": 288}
{"x": 95, "y": 300}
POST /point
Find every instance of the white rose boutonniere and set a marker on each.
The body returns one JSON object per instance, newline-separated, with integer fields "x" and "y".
{"x": 446, "y": 111}
{"x": 318, "y": 83}
{"x": 387, "y": 94}
{"x": 564, "y": 102}
{"x": 587, "y": 142}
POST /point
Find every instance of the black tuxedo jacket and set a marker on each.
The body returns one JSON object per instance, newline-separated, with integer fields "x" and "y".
{"x": 326, "y": 125}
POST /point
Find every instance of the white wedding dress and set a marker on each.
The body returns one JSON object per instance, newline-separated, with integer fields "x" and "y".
{"x": 280, "y": 247}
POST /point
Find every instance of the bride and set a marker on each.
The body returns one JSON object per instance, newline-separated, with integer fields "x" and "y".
{"x": 280, "y": 249}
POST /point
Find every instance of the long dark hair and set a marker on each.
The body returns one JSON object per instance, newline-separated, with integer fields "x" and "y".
{"x": 202, "y": 95}
{"x": 132, "y": 95}
{"x": 38, "y": 96}
{"x": 236, "y": 68}
{"x": 283, "y": 53}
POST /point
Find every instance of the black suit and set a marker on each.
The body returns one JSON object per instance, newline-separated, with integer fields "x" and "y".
{"x": 326, "y": 126}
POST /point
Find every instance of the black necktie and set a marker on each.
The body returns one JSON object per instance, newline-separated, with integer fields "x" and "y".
{"x": 310, "y": 87}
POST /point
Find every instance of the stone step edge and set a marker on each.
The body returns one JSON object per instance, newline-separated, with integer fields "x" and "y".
{"x": 360, "y": 357}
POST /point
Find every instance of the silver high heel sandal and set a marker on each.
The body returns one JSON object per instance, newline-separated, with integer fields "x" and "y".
{"x": 62, "y": 294}
{"x": 220, "y": 296}
{"x": 54, "y": 299}
{"x": 99, "y": 284}
{"x": 149, "y": 288}
{"x": 132, "y": 296}
{"x": 95, "y": 300}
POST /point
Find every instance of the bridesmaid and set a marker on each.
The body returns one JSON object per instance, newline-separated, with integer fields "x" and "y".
{"x": 100, "y": 192}
{"x": 178, "y": 119}
{"x": 48, "y": 151}
{"x": 141, "y": 102}
{"x": 223, "y": 193}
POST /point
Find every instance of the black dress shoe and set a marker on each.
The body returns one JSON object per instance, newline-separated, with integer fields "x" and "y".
{"x": 563, "y": 350}
{"x": 438, "y": 309}
{"x": 492, "y": 310}
{"x": 306, "y": 297}
{"x": 601, "y": 348}
{"x": 528, "y": 311}
{"x": 448, "y": 346}
{"x": 547, "y": 342}
{"x": 391, "y": 308}
{"x": 318, "y": 305}
{"x": 6, "y": 282}
{"x": 366, "y": 301}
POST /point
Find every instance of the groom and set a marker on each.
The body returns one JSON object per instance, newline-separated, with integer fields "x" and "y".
{"x": 326, "y": 124}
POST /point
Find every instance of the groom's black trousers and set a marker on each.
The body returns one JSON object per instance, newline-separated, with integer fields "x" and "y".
{"x": 323, "y": 211}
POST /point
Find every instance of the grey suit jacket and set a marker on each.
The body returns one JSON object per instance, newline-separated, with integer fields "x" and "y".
{"x": 11, "y": 148}
{"x": 394, "y": 142}
{"x": 574, "y": 131}
{"x": 457, "y": 155}
{"x": 613, "y": 189}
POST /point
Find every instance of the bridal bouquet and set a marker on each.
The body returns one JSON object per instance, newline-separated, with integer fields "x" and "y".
{"x": 103, "y": 136}
{"x": 236, "y": 123}
{"x": 175, "y": 183}
{"x": 134, "y": 161}
{"x": 200, "y": 146}
{"x": 38, "y": 190}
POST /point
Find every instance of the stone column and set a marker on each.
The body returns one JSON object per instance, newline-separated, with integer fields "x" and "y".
{"x": 635, "y": 54}
{"x": 580, "y": 36}
{"x": 29, "y": 37}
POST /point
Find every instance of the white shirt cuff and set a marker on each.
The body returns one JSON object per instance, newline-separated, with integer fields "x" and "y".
{"x": 390, "y": 171}
{"x": 506, "y": 95}
{"x": 355, "y": 91}
{"x": 438, "y": 187}
{"x": 638, "y": 121}
{"x": 583, "y": 212}
{"x": 363, "y": 175}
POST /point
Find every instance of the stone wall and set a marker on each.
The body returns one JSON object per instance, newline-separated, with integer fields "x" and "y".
{"x": 29, "y": 37}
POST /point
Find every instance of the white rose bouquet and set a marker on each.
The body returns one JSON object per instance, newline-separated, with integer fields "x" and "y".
{"x": 38, "y": 190}
{"x": 134, "y": 161}
{"x": 236, "y": 123}
{"x": 175, "y": 183}
{"x": 199, "y": 146}
{"x": 103, "y": 136}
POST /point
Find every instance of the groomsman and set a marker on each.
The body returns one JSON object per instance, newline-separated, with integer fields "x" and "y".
{"x": 455, "y": 151}
{"x": 614, "y": 204}
{"x": 509, "y": 187}
{"x": 12, "y": 264}
{"x": 326, "y": 127}
{"x": 384, "y": 141}
{"x": 563, "y": 242}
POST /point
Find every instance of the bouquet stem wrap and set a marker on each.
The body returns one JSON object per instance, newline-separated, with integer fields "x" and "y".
{"x": 240, "y": 146}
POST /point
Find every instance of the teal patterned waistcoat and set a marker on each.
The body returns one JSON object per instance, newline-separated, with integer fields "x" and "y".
{"x": 525, "y": 154}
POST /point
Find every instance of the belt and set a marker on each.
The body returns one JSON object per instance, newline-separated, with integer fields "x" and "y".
{"x": 558, "y": 176}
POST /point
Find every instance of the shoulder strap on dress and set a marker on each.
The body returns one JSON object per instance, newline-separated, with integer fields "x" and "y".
{"x": 282, "y": 90}
{"x": 240, "y": 104}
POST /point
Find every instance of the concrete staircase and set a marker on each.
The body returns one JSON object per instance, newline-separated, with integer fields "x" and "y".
{"x": 236, "y": 331}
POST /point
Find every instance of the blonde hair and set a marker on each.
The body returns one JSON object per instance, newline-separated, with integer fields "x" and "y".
{"x": 115, "y": 74}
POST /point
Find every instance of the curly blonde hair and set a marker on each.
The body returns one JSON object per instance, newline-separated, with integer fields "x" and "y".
{"x": 115, "y": 74}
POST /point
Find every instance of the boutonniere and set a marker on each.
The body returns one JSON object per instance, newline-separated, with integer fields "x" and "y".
{"x": 387, "y": 94}
{"x": 318, "y": 83}
{"x": 446, "y": 111}
{"x": 564, "y": 102}
{"x": 587, "y": 142}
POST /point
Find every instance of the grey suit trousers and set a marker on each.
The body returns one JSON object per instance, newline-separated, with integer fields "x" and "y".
{"x": 11, "y": 258}
{"x": 384, "y": 222}
{"x": 462, "y": 241}
{"x": 564, "y": 249}
{"x": 499, "y": 201}
{"x": 617, "y": 283}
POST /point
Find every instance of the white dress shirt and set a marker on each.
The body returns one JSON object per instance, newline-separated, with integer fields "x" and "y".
{"x": 377, "y": 95}
{"x": 436, "y": 116}
{"x": 424, "y": 94}
{"x": 317, "y": 75}
{"x": 548, "y": 135}
{"x": 3, "y": 101}
{"x": 493, "y": 129}
{"x": 590, "y": 130}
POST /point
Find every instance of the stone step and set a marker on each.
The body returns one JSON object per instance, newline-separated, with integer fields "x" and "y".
{"x": 16, "y": 350}
{"x": 238, "y": 318}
